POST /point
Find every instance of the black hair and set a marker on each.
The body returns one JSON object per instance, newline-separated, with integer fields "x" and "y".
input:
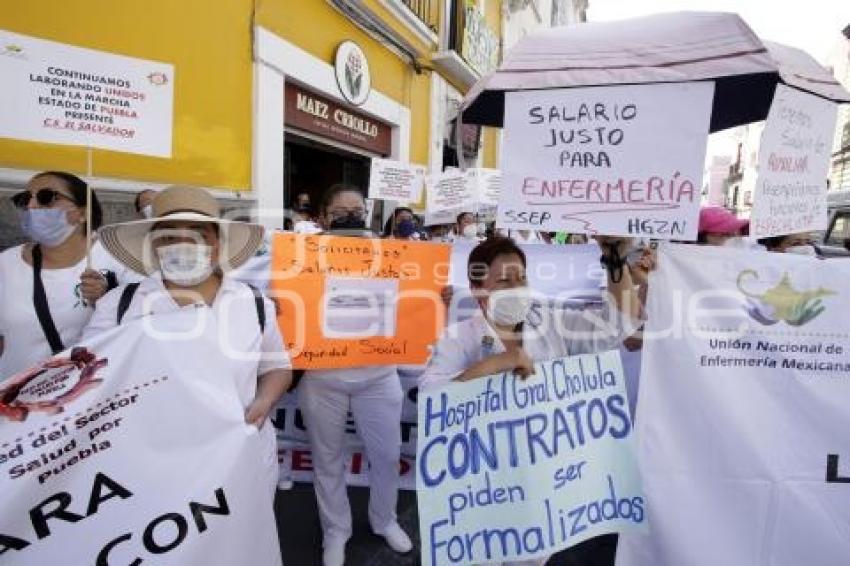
{"x": 332, "y": 192}
{"x": 137, "y": 202}
{"x": 461, "y": 215}
{"x": 391, "y": 221}
{"x": 773, "y": 242}
{"x": 78, "y": 189}
{"x": 485, "y": 253}
{"x": 295, "y": 197}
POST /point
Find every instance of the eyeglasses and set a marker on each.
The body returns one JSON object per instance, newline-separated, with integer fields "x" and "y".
{"x": 44, "y": 197}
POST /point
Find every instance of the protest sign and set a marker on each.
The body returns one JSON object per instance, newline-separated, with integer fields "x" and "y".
{"x": 452, "y": 191}
{"x": 59, "y": 93}
{"x": 349, "y": 302}
{"x": 794, "y": 157}
{"x": 488, "y": 185}
{"x": 742, "y": 420}
{"x": 295, "y": 452}
{"x": 396, "y": 181}
{"x": 100, "y": 449}
{"x": 518, "y": 469}
{"x": 615, "y": 160}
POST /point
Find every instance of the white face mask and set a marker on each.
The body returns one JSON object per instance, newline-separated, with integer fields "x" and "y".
{"x": 46, "y": 226}
{"x": 147, "y": 211}
{"x": 470, "y": 231}
{"x": 509, "y": 307}
{"x": 806, "y": 250}
{"x": 185, "y": 264}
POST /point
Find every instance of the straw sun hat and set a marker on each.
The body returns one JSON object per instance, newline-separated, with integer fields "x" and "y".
{"x": 129, "y": 242}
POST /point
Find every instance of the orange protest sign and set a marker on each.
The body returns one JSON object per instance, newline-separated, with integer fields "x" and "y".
{"x": 349, "y": 302}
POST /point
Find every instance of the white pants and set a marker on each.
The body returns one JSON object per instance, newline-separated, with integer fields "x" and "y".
{"x": 376, "y": 406}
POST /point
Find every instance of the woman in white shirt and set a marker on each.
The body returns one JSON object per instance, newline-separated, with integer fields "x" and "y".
{"x": 46, "y": 290}
{"x": 511, "y": 332}
{"x": 373, "y": 395}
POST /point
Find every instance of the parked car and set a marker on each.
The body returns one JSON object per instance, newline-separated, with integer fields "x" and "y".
{"x": 836, "y": 240}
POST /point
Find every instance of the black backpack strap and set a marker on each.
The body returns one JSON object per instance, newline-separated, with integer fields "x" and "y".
{"x": 126, "y": 298}
{"x": 261, "y": 308}
{"x": 111, "y": 279}
{"x": 39, "y": 301}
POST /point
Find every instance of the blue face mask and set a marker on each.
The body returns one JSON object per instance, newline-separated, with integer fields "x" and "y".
{"x": 405, "y": 228}
{"x": 46, "y": 226}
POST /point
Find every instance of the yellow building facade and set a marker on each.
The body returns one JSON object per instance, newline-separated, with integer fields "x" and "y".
{"x": 240, "y": 65}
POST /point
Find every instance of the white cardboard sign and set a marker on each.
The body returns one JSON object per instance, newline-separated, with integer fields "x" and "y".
{"x": 488, "y": 185}
{"x": 794, "y": 155}
{"x": 450, "y": 191}
{"x": 58, "y": 93}
{"x": 396, "y": 181}
{"x": 613, "y": 160}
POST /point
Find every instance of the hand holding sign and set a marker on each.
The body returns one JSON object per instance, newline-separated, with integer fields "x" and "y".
{"x": 790, "y": 193}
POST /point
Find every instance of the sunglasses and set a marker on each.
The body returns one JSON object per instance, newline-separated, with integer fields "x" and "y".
{"x": 44, "y": 197}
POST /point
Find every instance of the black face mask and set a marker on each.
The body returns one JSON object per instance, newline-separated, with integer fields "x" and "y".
{"x": 349, "y": 222}
{"x": 304, "y": 208}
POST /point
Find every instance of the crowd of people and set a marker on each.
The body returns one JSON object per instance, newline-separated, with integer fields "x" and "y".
{"x": 180, "y": 253}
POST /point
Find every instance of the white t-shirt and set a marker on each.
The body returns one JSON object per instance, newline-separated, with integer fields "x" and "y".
{"x": 24, "y": 340}
{"x": 234, "y": 310}
{"x": 547, "y": 334}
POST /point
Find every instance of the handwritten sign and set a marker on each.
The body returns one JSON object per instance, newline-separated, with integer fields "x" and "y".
{"x": 58, "y": 93}
{"x": 794, "y": 155}
{"x": 614, "y": 160}
{"x": 487, "y": 184}
{"x": 513, "y": 469}
{"x": 396, "y": 181}
{"x": 349, "y": 302}
{"x": 450, "y": 191}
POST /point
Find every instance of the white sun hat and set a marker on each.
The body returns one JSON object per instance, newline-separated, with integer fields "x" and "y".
{"x": 130, "y": 242}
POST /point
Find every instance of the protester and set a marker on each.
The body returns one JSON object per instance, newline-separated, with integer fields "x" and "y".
{"x": 719, "y": 227}
{"x": 185, "y": 251}
{"x": 502, "y": 336}
{"x": 46, "y": 289}
{"x": 401, "y": 225}
{"x": 465, "y": 228}
{"x": 440, "y": 232}
{"x": 302, "y": 219}
{"x": 800, "y": 243}
{"x": 143, "y": 203}
{"x": 374, "y": 397}
{"x": 302, "y": 208}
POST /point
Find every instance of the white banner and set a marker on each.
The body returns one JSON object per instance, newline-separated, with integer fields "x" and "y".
{"x": 109, "y": 454}
{"x": 396, "y": 181}
{"x": 520, "y": 469}
{"x": 794, "y": 158}
{"x": 58, "y": 93}
{"x": 295, "y": 454}
{"x": 742, "y": 415}
{"x": 616, "y": 160}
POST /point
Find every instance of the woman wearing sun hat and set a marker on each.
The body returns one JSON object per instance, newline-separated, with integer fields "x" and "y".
{"x": 185, "y": 252}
